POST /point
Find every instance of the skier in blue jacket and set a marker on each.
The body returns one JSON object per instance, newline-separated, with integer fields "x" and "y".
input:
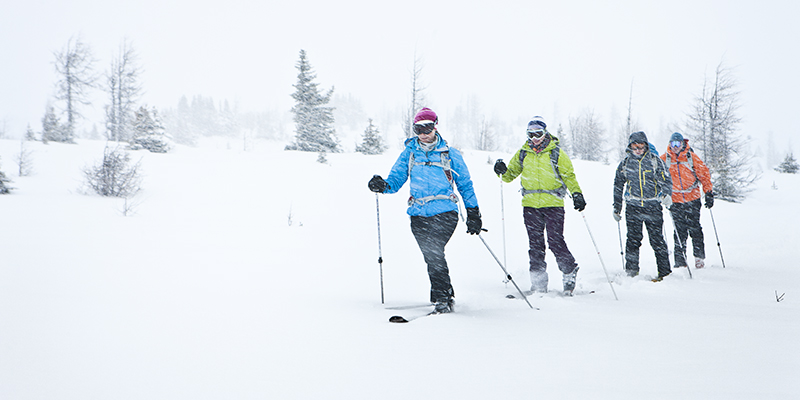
{"x": 435, "y": 171}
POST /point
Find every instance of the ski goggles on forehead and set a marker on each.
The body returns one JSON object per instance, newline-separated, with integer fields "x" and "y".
{"x": 675, "y": 143}
{"x": 536, "y": 133}
{"x": 423, "y": 129}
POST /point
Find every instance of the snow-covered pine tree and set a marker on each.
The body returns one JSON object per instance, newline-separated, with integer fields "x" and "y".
{"x": 788, "y": 166}
{"x": 29, "y": 134}
{"x": 51, "y": 126}
{"x": 148, "y": 132}
{"x": 372, "y": 141}
{"x": 4, "y": 181}
{"x": 114, "y": 177}
{"x": 314, "y": 129}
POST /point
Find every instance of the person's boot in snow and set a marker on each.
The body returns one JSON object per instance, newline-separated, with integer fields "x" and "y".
{"x": 660, "y": 277}
{"x": 444, "y": 307}
{"x": 539, "y": 281}
{"x": 569, "y": 281}
{"x": 699, "y": 263}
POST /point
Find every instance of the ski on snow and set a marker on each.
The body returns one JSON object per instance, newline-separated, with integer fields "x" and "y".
{"x": 399, "y": 319}
{"x": 559, "y": 294}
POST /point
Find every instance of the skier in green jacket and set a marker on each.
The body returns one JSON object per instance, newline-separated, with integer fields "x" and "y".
{"x": 546, "y": 175}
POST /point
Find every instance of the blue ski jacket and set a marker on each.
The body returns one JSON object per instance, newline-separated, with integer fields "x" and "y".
{"x": 431, "y": 190}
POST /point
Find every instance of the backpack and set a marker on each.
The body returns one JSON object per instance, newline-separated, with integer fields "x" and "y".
{"x": 554, "y": 153}
{"x": 448, "y": 172}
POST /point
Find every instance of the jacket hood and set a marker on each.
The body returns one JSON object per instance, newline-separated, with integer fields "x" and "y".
{"x": 637, "y": 137}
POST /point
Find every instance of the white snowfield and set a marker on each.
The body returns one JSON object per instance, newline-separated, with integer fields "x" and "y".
{"x": 208, "y": 292}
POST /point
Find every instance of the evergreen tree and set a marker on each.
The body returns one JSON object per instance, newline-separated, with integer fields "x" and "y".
{"x": 148, "y": 132}
{"x": 372, "y": 141}
{"x": 788, "y": 166}
{"x": 4, "y": 181}
{"x": 314, "y": 129}
{"x": 114, "y": 176}
{"x": 29, "y": 134}
{"x": 51, "y": 126}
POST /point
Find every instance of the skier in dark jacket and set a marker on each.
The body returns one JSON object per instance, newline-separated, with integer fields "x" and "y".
{"x": 435, "y": 171}
{"x": 644, "y": 181}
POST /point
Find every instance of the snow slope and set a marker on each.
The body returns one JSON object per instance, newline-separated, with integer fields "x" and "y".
{"x": 208, "y": 292}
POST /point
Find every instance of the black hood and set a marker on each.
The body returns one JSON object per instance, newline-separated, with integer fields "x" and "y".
{"x": 637, "y": 137}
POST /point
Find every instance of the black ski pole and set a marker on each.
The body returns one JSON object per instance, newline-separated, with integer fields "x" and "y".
{"x": 380, "y": 252}
{"x": 599, "y": 256}
{"x": 717, "y": 236}
{"x": 678, "y": 240}
{"x": 508, "y": 276}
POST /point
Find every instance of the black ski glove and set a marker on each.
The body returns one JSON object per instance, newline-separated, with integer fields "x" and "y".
{"x": 578, "y": 201}
{"x": 474, "y": 223}
{"x": 500, "y": 167}
{"x": 709, "y": 199}
{"x": 617, "y": 212}
{"x": 377, "y": 184}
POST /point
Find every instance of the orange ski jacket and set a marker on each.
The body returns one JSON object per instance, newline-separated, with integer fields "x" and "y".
{"x": 688, "y": 172}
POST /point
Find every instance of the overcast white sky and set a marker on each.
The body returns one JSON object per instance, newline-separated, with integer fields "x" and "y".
{"x": 518, "y": 58}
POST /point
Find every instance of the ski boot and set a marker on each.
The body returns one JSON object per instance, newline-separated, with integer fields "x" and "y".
{"x": 569, "y": 282}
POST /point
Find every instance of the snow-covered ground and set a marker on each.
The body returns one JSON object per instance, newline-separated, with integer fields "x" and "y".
{"x": 209, "y": 292}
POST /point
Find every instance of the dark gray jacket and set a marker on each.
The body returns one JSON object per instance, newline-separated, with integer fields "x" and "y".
{"x": 641, "y": 179}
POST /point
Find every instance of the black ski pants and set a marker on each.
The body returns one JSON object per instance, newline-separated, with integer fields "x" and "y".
{"x": 651, "y": 216}
{"x": 687, "y": 223}
{"x": 432, "y": 234}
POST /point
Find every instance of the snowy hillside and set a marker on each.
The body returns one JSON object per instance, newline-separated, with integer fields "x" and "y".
{"x": 254, "y": 275}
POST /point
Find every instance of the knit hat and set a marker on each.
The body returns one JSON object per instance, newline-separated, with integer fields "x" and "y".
{"x": 676, "y": 137}
{"x": 425, "y": 116}
{"x": 536, "y": 123}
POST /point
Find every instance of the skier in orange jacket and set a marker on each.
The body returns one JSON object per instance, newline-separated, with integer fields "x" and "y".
{"x": 689, "y": 173}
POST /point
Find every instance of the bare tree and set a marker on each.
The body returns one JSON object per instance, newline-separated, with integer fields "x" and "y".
{"x": 715, "y": 119}
{"x": 24, "y": 159}
{"x": 417, "y": 98}
{"x": 485, "y": 135}
{"x": 586, "y": 136}
{"x": 74, "y": 65}
{"x": 626, "y": 128}
{"x": 124, "y": 90}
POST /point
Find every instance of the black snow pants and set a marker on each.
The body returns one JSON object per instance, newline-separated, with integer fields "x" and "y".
{"x": 687, "y": 223}
{"x": 432, "y": 234}
{"x": 651, "y": 216}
